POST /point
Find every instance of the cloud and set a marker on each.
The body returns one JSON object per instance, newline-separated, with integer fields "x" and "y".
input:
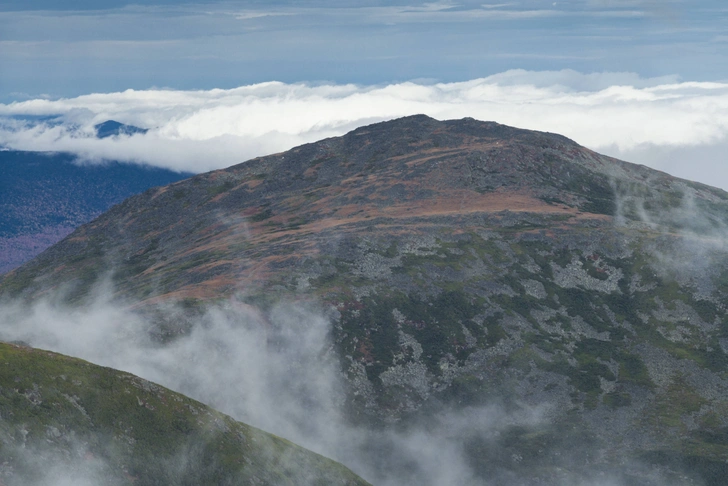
{"x": 662, "y": 122}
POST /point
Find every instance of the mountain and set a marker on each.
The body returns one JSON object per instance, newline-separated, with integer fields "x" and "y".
{"x": 66, "y": 421}
{"x": 465, "y": 266}
{"x": 44, "y": 196}
{"x": 112, "y": 128}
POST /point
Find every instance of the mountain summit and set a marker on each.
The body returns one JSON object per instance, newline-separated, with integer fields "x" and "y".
{"x": 229, "y": 229}
{"x": 112, "y": 128}
{"x": 463, "y": 264}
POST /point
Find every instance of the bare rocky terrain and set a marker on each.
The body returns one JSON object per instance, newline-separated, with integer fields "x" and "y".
{"x": 462, "y": 264}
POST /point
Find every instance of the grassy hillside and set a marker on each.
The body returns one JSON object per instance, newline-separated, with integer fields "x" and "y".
{"x": 64, "y": 419}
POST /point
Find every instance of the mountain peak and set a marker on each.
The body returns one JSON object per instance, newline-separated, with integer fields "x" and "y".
{"x": 111, "y": 128}
{"x": 403, "y": 172}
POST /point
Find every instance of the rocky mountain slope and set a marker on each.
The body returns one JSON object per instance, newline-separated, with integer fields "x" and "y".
{"x": 462, "y": 264}
{"x": 66, "y": 421}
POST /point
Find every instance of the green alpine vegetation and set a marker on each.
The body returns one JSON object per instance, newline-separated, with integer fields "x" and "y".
{"x": 67, "y": 419}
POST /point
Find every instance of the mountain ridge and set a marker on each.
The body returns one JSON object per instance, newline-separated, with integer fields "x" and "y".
{"x": 238, "y": 185}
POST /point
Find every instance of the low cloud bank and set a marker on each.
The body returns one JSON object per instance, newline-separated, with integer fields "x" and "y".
{"x": 670, "y": 125}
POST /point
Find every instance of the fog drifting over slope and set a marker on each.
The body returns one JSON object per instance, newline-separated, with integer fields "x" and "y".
{"x": 679, "y": 127}
{"x": 280, "y": 373}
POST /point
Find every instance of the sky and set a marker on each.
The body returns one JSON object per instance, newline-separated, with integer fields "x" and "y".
{"x": 221, "y": 82}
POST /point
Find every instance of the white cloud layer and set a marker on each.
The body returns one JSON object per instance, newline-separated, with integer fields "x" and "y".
{"x": 670, "y": 125}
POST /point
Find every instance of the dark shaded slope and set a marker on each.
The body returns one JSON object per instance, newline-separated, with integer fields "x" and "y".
{"x": 43, "y": 197}
{"x": 66, "y": 421}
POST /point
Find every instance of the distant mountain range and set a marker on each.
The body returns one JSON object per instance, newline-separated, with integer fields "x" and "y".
{"x": 536, "y": 312}
{"x": 44, "y": 196}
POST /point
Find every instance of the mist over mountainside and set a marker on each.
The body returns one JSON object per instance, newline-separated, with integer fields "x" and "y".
{"x": 455, "y": 302}
{"x": 45, "y": 196}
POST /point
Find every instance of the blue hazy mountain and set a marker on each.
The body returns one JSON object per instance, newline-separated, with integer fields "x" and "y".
{"x": 111, "y": 128}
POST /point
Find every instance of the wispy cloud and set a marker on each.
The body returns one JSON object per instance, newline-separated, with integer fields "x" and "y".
{"x": 258, "y": 15}
{"x": 620, "y": 113}
{"x": 497, "y": 5}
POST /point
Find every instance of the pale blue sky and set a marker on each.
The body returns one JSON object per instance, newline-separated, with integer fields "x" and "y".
{"x": 75, "y": 47}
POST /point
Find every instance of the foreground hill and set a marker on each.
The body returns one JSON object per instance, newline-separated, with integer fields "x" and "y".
{"x": 66, "y": 421}
{"x": 462, "y": 264}
{"x": 45, "y": 196}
